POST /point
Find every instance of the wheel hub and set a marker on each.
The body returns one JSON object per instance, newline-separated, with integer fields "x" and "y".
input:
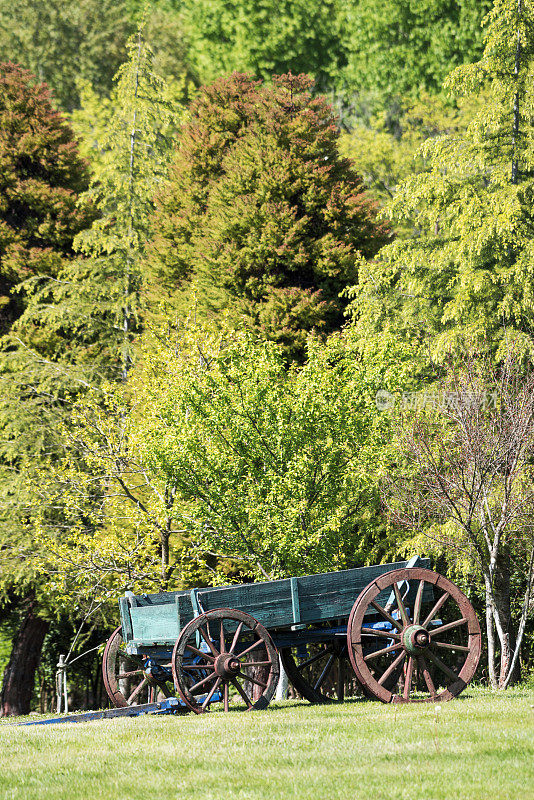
{"x": 415, "y": 638}
{"x": 227, "y": 665}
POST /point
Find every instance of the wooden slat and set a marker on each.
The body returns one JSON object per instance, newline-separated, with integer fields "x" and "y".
{"x": 160, "y": 617}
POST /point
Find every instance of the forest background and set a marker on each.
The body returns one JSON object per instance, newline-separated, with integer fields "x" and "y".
{"x": 228, "y": 231}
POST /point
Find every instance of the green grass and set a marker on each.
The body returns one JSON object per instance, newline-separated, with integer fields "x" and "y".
{"x": 479, "y": 746}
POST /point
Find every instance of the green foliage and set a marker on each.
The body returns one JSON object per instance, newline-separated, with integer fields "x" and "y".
{"x": 262, "y": 218}
{"x": 41, "y": 175}
{"x": 96, "y": 302}
{"x": 93, "y": 308}
{"x": 265, "y": 38}
{"x": 275, "y": 469}
{"x": 388, "y": 149}
{"x": 63, "y": 41}
{"x": 467, "y": 269}
{"x": 398, "y": 48}
{"x": 106, "y": 521}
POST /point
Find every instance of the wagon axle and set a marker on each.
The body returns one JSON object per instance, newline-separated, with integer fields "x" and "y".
{"x": 415, "y": 639}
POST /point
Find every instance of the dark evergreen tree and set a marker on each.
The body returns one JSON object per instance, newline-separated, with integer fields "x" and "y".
{"x": 262, "y": 219}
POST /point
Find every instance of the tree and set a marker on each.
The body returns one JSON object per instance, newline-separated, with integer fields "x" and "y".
{"x": 96, "y": 305}
{"x": 62, "y": 42}
{"x": 272, "y": 469}
{"x": 387, "y": 150}
{"x": 399, "y": 49}
{"x": 466, "y": 270}
{"x": 214, "y": 462}
{"x": 262, "y": 219}
{"x": 117, "y": 528}
{"x": 265, "y": 38}
{"x": 74, "y": 329}
{"x": 466, "y": 483}
{"x": 42, "y": 176}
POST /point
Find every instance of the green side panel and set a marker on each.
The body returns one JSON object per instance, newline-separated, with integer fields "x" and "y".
{"x": 332, "y": 594}
{"x": 270, "y": 603}
{"x": 155, "y": 624}
{"x": 126, "y": 621}
{"x": 158, "y": 619}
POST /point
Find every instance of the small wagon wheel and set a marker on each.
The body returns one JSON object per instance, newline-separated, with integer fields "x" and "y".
{"x": 437, "y": 648}
{"x": 212, "y": 659}
{"x": 125, "y": 679}
{"x": 321, "y": 672}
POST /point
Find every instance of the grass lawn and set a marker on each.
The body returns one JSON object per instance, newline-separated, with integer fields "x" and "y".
{"x": 479, "y": 746}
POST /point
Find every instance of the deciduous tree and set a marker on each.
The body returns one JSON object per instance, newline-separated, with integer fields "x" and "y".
{"x": 467, "y": 484}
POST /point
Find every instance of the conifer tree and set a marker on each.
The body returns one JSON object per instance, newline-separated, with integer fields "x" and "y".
{"x": 79, "y": 319}
{"x": 467, "y": 268}
{"x": 262, "y": 218}
{"x": 96, "y": 304}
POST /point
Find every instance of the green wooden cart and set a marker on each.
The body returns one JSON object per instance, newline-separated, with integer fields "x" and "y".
{"x": 396, "y": 632}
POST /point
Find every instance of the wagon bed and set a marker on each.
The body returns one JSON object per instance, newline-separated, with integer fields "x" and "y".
{"x": 149, "y": 620}
{"x": 398, "y": 632}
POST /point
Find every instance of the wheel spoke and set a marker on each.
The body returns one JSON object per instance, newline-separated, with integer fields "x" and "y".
{"x": 226, "y": 697}
{"x": 208, "y": 641}
{"x": 221, "y": 638}
{"x": 408, "y": 678}
{"x": 396, "y": 624}
{"x": 441, "y": 602}
{"x": 381, "y": 652}
{"x": 163, "y": 688}
{"x": 136, "y": 691}
{"x": 189, "y": 667}
{"x": 443, "y": 667}
{"x": 381, "y": 634}
{"x": 212, "y": 691}
{"x": 449, "y": 626}
{"x": 460, "y": 647}
{"x": 393, "y": 666}
{"x": 324, "y": 673}
{"x": 252, "y": 680}
{"x": 315, "y": 658}
{"x": 236, "y": 637}
{"x": 122, "y": 675}
{"x": 198, "y": 652}
{"x": 258, "y": 663}
{"x": 203, "y": 681}
{"x": 400, "y": 604}
{"x": 418, "y": 603}
{"x": 242, "y": 692}
{"x": 251, "y": 648}
{"x": 340, "y": 688}
{"x": 427, "y": 676}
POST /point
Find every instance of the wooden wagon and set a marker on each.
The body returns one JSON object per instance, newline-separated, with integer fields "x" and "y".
{"x": 396, "y": 632}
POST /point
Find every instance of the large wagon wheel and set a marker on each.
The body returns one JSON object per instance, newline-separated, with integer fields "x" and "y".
{"x": 437, "y": 649}
{"x": 125, "y": 678}
{"x": 212, "y": 658}
{"x": 321, "y": 671}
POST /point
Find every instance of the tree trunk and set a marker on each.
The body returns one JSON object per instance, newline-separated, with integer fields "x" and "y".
{"x": 19, "y": 675}
{"x": 490, "y": 633}
{"x": 501, "y": 585}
